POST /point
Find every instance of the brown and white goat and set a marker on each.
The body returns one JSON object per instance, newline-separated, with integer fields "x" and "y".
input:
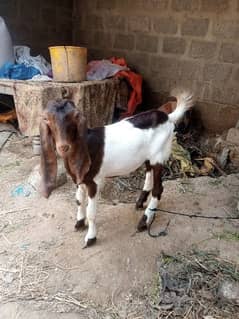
{"x": 91, "y": 155}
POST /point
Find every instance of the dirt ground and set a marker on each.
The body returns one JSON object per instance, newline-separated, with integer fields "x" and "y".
{"x": 45, "y": 273}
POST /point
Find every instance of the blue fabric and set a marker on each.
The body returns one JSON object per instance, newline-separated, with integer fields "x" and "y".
{"x": 17, "y": 71}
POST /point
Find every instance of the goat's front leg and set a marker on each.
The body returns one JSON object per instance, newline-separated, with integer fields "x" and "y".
{"x": 148, "y": 185}
{"x": 156, "y": 195}
{"x": 81, "y": 193}
{"x": 90, "y": 237}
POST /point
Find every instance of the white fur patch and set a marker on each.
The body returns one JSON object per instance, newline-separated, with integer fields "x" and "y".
{"x": 148, "y": 183}
{"x": 81, "y": 196}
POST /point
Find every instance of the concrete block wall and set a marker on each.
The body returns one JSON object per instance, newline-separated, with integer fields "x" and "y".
{"x": 192, "y": 43}
{"x": 38, "y": 24}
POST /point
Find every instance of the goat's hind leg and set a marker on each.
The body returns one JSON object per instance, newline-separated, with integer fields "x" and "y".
{"x": 81, "y": 197}
{"x": 148, "y": 185}
{"x": 156, "y": 195}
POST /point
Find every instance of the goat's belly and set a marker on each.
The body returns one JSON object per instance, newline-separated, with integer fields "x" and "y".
{"x": 121, "y": 166}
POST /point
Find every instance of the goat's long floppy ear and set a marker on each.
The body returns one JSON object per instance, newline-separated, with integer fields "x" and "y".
{"x": 48, "y": 160}
{"x": 82, "y": 157}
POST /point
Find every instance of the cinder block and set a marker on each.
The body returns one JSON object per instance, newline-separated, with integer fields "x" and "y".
{"x": 166, "y": 67}
{"x": 139, "y": 23}
{"x": 149, "y": 5}
{"x": 189, "y": 69}
{"x": 174, "y": 45}
{"x": 93, "y": 21}
{"x": 116, "y": 22}
{"x": 102, "y": 40}
{"x": 215, "y": 6}
{"x": 225, "y": 94}
{"x": 229, "y": 53}
{"x": 105, "y": 4}
{"x": 139, "y": 61}
{"x": 124, "y": 41}
{"x": 226, "y": 29}
{"x": 202, "y": 49}
{"x": 195, "y": 27}
{"x": 215, "y": 71}
{"x": 185, "y": 5}
{"x": 147, "y": 43}
{"x": 165, "y": 25}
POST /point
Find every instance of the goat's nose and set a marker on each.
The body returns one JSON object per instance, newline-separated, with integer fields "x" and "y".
{"x": 64, "y": 148}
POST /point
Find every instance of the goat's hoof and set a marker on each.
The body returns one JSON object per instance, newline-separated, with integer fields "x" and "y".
{"x": 90, "y": 242}
{"x": 142, "y": 224}
{"x": 80, "y": 224}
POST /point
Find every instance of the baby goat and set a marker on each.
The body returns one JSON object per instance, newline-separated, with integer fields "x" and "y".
{"x": 90, "y": 155}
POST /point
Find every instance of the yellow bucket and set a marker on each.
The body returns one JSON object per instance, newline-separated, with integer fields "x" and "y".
{"x": 68, "y": 63}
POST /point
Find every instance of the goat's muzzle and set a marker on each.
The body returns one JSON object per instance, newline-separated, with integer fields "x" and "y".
{"x": 63, "y": 149}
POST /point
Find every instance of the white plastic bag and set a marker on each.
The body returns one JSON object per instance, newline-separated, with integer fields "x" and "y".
{"x": 6, "y": 48}
{"x": 22, "y": 55}
{"x": 102, "y": 69}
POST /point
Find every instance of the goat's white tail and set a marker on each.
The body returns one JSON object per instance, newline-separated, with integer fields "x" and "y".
{"x": 184, "y": 103}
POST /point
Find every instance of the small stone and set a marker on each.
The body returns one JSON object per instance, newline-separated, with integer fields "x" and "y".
{"x": 229, "y": 292}
{"x": 238, "y": 206}
{"x": 233, "y": 136}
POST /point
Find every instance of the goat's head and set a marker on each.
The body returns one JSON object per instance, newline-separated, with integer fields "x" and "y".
{"x": 63, "y": 129}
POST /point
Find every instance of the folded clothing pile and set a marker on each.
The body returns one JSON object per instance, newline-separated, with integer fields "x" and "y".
{"x": 17, "y": 63}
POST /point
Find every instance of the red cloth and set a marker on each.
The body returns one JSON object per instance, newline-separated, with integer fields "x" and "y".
{"x": 135, "y": 80}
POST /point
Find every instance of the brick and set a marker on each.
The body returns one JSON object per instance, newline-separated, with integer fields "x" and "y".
{"x": 93, "y": 21}
{"x": 219, "y": 71}
{"x": 202, "y": 49}
{"x": 225, "y": 94}
{"x": 84, "y": 6}
{"x": 105, "y": 4}
{"x": 167, "y": 67}
{"x": 215, "y": 6}
{"x": 229, "y": 53}
{"x": 189, "y": 69}
{"x": 124, "y": 41}
{"x": 139, "y": 61}
{"x": 147, "y": 43}
{"x": 236, "y": 75}
{"x": 149, "y": 5}
{"x": 200, "y": 90}
{"x": 165, "y": 25}
{"x": 83, "y": 38}
{"x": 116, "y": 22}
{"x": 103, "y": 40}
{"x": 195, "y": 27}
{"x": 139, "y": 23}
{"x": 226, "y": 29}
{"x": 185, "y": 5}
{"x": 174, "y": 45}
